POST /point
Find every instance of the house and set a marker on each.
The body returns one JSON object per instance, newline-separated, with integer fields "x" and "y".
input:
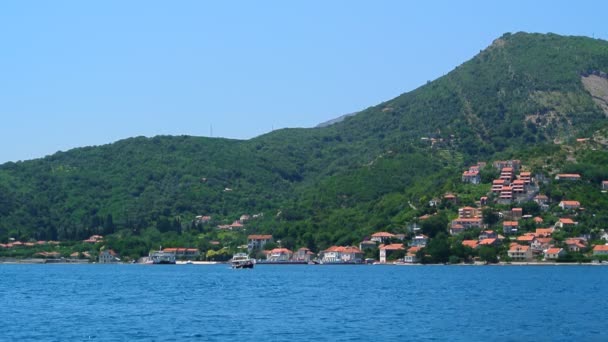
{"x": 600, "y": 250}
{"x": 257, "y": 241}
{"x": 236, "y": 225}
{"x": 517, "y": 214}
{"x": 564, "y": 222}
{"x": 501, "y": 164}
{"x": 450, "y": 198}
{"x": 605, "y": 185}
{"x": 483, "y": 200}
{"x": 488, "y": 234}
{"x": 472, "y": 177}
{"x": 457, "y": 229}
{"x": 510, "y": 227}
{"x": 93, "y": 239}
{"x": 566, "y": 205}
{"x": 541, "y": 244}
{"x": 554, "y": 253}
{"x": 410, "y": 257}
{"x": 506, "y": 194}
{"x": 544, "y": 232}
{"x": 244, "y": 218}
{"x": 467, "y": 223}
{"x": 279, "y": 255}
{"x": 108, "y": 256}
{"x": 385, "y": 250}
{"x": 541, "y": 199}
{"x": 521, "y": 253}
{"x": 368, "y": 244}
{"x": 382, "y": 237}
{"x": 527, "y": 239}
{"x": 568, "y": 176}
{"x": 468, "y": 212}
{"x": 419, "y": 240}
{"x": 303, "y": 254}
{"x": 538, "y": 220}
{"x": 473, "y": 244}
{"x": 183, "y": 253}
{"x": 341, "y": 254}
{"x": 202, "y": 219}
{"x": 575, "y": 244}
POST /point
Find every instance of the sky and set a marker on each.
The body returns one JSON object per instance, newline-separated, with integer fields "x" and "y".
{"x": 82, "y": 73}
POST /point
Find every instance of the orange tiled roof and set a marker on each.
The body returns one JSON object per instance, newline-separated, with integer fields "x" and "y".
{"x": 487, "y": 241}
{"x": 553, "y": 250}
{"x": 392, "y": 247}
{"x": 470, "y": 243}
{"x": 383, "y": 234}
{"x": 259, "y": 237}
{"x": 600, "y": 248}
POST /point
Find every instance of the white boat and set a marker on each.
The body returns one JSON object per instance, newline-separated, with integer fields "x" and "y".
{"x": 242, "y": 260}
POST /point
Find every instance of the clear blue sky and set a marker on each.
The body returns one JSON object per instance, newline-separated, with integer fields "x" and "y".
{"x": 79, "y": 73}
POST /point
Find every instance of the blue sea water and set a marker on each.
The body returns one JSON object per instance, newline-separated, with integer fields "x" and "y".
{"x": 302, "y": 303}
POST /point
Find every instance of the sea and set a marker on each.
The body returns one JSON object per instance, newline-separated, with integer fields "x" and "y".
{"x": 303, "y": 303}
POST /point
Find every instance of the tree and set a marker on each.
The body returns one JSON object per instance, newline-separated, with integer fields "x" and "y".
{"x": 488, "y": 254}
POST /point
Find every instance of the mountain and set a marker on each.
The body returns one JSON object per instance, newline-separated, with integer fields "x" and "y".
{"x": 335, "y": 121}
{"x": 524, "y": 94}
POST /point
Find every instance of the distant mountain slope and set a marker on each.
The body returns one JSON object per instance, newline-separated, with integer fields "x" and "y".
{"x": 322, "y": 185}
{"x": 335, "y": 121}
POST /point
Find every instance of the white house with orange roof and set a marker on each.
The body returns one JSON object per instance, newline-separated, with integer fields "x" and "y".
{"x": 600, "y": 250}
{"x": 410, "y": 257}
{"x": 569, "y": 205}
{"x": 564, "y": 222}
{"x": 382, "y": 237}
{"x": 520, "y": 253}
{"x": 576, "y": 244}
{"x": 468, "y": 212}
{"x": 497, "y": 185}
{"x": 554, "y": 253}
{"x": 279, "y": 255}
{"x": 341, "y": 255}
{"x": 303, "y": 254}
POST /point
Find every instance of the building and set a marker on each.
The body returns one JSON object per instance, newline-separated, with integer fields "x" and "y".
{"x": 419, "y": 240}
{"x": 108, "y": 256}
{"x": 94, "y": 239}
{"x": 544, "y": 232}
{"x": 468, "y": 212}
{"x": 488, "y": 234}
{"x": 605, "y": 185}
{"x": 410, "y": 257}
{"x": 368, "y": 244}
{"x": 303, "y": 254}
{"x": 568, "y": 176}
{"x": 569, "y": 205}
{"x": 564, "y": 222}
{"x": 517, "y": 214}
{"x": 279, "y": 255}
{"x": 472, "y": 177}
{"x": 541, "y": 199}
{"x": 600, "y": 250}
{"x": 497, "y": 185}
{"x": 382, "y": 237}
{"x": 341, "y": 255}
{"x": 554, "y": 253}
{"x": 257, "y": 241}
{"x": 510, "y": 227}
{"x": 386, "y": 250}
{"x": 467, "y": 223}
{"x": 183, "y": 253}
{"x": 518, "y": 186}
{"x": 501, "y": 164}
{"x": 526, "y": 177}
{"x": 576, "y": 244}
{"x": 489, "y": 242}
{"x": 506, "y": 174}
{"x": 520, "y": 253}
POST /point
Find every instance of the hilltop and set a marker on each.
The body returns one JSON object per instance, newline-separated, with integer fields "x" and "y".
{"x": 525, "y": 96}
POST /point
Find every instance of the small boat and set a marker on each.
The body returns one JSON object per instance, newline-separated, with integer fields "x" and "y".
{"x": 242, "y": 260}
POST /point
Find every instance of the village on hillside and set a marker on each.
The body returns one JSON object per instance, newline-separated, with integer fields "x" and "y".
{"x": 514, "y": 222}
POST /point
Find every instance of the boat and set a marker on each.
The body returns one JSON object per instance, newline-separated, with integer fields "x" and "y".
{"x": 162, "y": 258}
{"x": 242, "y": 260}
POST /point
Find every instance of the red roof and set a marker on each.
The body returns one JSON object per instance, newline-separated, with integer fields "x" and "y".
{"x": 600, "y": 248}
{"x": 383, "y": 235}
{"x": 259, "y": 237}
{"x": 566, "y": 221}
{"x": 281, "y": 251}
{"x": 553, "y": 250}
{"x": 413, "y": 250}
{"x": 571, "y": 203}
{"x": 470, "y": 243}
{"x": 487, "y": 242}
{"x": 526, "y": 238}
{"x": 392, "y": 247}
{"x": 510, "y": 224}
{"x": 519, "y": 248}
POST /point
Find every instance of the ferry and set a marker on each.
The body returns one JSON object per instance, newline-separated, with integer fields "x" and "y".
{"x": 242, "y": 260}
{"x": 162, "y": 258}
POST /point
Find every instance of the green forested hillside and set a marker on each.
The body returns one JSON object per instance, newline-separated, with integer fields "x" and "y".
{"x": 326, "y": 185}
